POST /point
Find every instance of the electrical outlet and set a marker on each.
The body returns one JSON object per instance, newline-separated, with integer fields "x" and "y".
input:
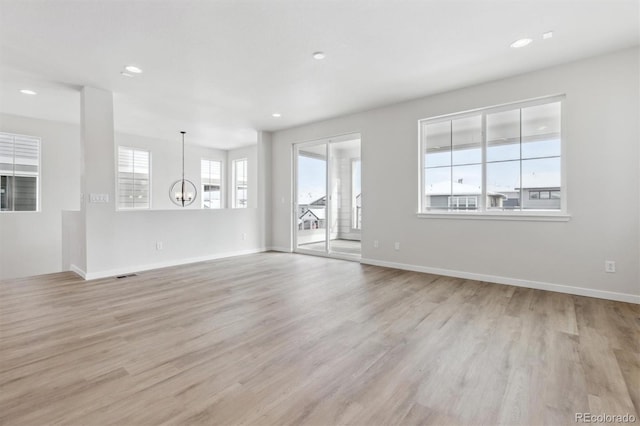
{"x": 244, "y": 236}
{"x": 610, "y": 266}
{"x": 159, "y": 245}
{"x": 397, "y": 245}
{"x": 376, "y": 244}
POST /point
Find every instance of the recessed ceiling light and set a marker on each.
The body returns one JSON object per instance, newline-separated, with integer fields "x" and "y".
{"x": 28, "y": 92}
{"x": 319, "y": 55}
{"x": 521, "y": 43}
{"x": 547, "y": 35}
{"x": 126, "y": 74}
{"x": 276, "y": 115}
{"x": 133, "y": 69}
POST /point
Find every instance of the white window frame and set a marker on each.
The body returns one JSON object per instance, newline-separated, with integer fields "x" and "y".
{"x": 117, "y": 203}
{"x": 38, "y": 176}
{"x": 234, "y": 186}
{"x": 354, "y": 208}
{"x": 482, "y": 213}
{"x": 222, "y": 180}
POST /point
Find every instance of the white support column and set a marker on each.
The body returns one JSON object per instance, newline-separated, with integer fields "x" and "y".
{"x": 98, "y": 171}
{"x": 264, "y": 187}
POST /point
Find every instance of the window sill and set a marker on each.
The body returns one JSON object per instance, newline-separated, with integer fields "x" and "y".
{"x": 530, "y": 217}
{"x": 19, "y": 211}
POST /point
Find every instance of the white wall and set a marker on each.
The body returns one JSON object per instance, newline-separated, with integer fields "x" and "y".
{"x": 31, "y": 242}
{"x": 602, "y": 136}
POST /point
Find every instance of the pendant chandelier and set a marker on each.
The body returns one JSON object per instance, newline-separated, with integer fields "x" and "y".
{"x": 183, "y": 192}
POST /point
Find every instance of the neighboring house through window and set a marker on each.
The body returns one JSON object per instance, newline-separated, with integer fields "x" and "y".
{"x": 134, "y": 184}
{"x": 211, "y": 179}
{"x": 19, "y": 172}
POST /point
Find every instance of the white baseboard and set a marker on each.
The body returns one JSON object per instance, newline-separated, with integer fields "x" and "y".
{"x": 159, "y": 265}
{"x": 78, "y": 271}
{"x": 579, "y": 291}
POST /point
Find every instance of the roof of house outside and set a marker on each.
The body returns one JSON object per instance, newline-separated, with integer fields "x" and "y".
{"x": 317, "y": 213}
{"x": 446, "y": 188}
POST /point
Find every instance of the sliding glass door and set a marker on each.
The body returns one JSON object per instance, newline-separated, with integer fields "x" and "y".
{"x": 311, "y": 205}
{"x": 328, "y": 209}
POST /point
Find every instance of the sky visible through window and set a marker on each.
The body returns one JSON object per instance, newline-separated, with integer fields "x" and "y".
{"x": 311, "y": 179}
{"x": 540, "y": 166}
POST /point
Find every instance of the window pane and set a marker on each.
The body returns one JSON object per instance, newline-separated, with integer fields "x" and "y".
{"x": 240, "y": 183}
{"x": 543, "y": 173}
{"x": 503, "y": 185}
{"x": 25, "y": 196}
{"x": 503, "y": 135}
{"x": 125, "y": 160}
{"x": 438, "y": 144}
{"x": 19, "y": 170}
{"x": 542, "y": 176}
{"x": 133, "y": 178}
{"x": 438, "y": 187}
{"x": 141, "y": 162}
{"x": 467, "y": 184}
{"x": 541, "y": 131}
{"x": 211, "y": 197}
{"x": 5, "y": 193}
{"x": 211, "y": 181}
{"x": 467, "y": 139}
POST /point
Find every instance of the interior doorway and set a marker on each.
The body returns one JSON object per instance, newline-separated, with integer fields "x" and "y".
{"x": 328, "y": 195}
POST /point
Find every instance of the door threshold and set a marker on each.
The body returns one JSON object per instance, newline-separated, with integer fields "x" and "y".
{"x": 332, "y": 255}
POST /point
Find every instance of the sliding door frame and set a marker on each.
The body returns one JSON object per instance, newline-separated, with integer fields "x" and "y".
{"x": 327, "y": 142}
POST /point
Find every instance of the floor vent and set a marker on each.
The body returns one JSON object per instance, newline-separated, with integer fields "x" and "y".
{"x": 126, "y": 276}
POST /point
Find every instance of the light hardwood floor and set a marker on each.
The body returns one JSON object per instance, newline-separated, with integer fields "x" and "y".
{"x": 278, "y": 338}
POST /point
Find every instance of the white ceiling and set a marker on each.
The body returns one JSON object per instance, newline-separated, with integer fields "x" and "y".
{"x": 219, "y": 69}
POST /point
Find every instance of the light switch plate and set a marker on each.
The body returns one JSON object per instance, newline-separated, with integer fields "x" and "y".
{"x": 98, "y": 198}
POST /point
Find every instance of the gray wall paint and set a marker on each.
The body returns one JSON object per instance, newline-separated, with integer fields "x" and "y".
{"x": 602, "y": 169}
{"x": 30, "y": 242}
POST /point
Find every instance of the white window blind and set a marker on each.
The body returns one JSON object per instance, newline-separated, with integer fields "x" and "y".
{"x": 133, "y": 178}
{"x": 19, "y": 172}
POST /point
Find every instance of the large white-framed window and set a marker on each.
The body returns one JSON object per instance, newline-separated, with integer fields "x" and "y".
{"x": 240, "y": 183}
{"x": 504, "y": 161}
{"x": 211, "y": 184}
{"x": 19, "y": 173}
{"x": 134, "y": 178}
